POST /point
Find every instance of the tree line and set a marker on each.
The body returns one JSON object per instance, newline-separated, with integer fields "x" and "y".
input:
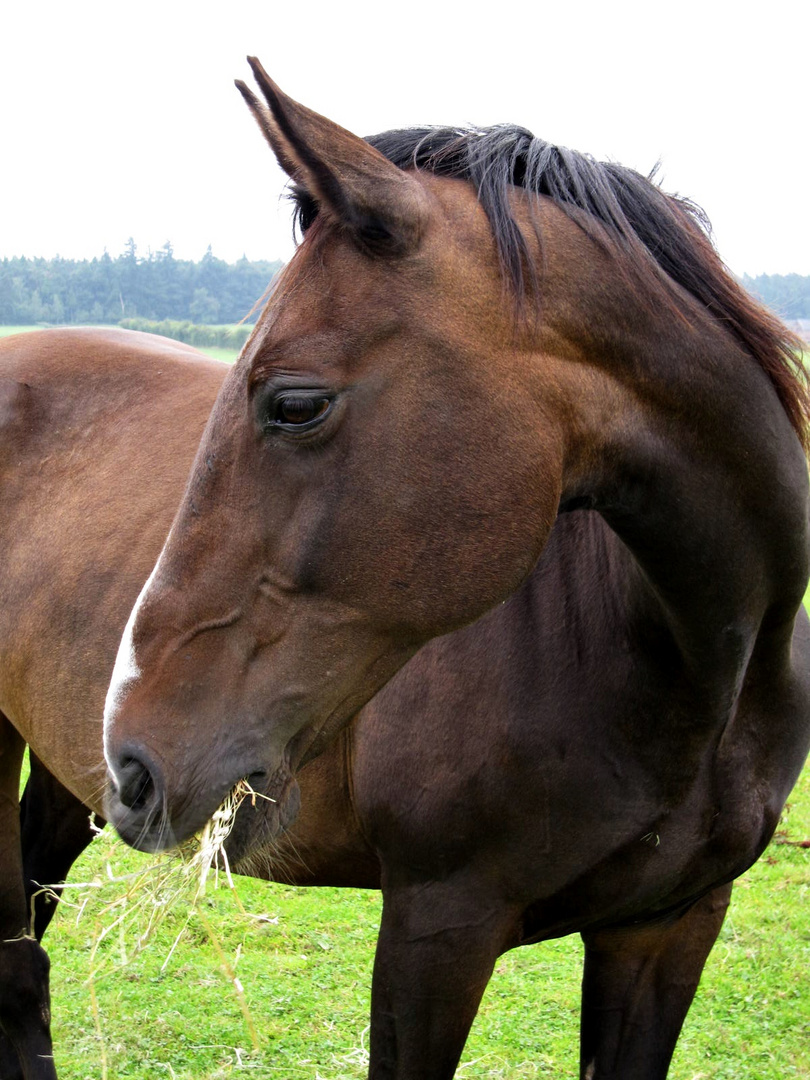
{"x": 105, "y": 290}
{"x": 158, "y": 286}
{"x": 786, "y": 294}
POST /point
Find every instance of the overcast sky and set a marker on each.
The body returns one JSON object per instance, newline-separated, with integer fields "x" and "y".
{"x": 122, "y": 120}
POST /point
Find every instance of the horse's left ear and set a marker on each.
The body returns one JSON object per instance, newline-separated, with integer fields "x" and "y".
{"x": 383, "y": 207}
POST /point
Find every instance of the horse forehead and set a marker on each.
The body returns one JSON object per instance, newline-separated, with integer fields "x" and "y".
{"x": 327, "y": 286}
{"x": 319, "y": 326}
{"x": 456, "y": 220}
{"x": 323, "y": 317}
{"x": 333, "y": 300}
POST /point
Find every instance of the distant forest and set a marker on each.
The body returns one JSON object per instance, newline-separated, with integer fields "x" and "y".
{"x": 786, "y": 294}
{"x": 158, "y": 286}
{"x": 105, "y": 290}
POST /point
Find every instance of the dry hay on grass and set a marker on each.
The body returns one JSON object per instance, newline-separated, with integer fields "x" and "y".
{"x": 127, "y": 909}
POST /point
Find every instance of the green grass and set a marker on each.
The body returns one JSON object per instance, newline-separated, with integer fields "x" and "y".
{"x": 228, "y": 355}
{"x": 306, "y": 972}
{"x": 7, "y": 331}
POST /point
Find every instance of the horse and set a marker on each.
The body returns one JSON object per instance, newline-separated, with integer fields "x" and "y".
{"x": 514, "y": 467}
{"x": 155, "y": 394}
{"x": 98, "y": 430}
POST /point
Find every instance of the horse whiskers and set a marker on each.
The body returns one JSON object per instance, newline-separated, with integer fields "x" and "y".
{"x": 280, "y": 859}
{"x": 288, "y": 860}
{"x": 97, "y": 794}
{"x": 159, "y": 835}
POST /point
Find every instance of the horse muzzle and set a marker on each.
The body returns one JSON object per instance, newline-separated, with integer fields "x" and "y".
{"x": 153, "y": 815}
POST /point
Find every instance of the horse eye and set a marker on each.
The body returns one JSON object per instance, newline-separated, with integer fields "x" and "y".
{"x": 297, "y": 410}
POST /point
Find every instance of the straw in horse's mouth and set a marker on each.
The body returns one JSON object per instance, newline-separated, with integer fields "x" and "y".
{"x": 141, "y": 899}
{"x": 208, "y": 847}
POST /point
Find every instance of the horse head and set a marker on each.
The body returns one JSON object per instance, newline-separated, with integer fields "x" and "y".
{"x": 478, "y": 330}
{"x": 374, "y": 473}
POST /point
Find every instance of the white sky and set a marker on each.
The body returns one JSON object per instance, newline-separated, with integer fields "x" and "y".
{"x": 119, "y": 120}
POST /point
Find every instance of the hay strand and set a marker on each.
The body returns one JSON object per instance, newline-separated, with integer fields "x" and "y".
{"x": 127, "y": 909}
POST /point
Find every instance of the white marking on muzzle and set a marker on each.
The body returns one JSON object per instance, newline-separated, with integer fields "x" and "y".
{"x": 126, "y": 670}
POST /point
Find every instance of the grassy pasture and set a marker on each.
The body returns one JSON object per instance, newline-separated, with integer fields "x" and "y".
{"x": 228, "y": 355}
{"x": 7, "y": 331}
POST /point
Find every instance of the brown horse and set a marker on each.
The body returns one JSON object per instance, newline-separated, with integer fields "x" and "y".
{"x": 98, "y": 430}
{"x": 479, "y": 335}
{"x": 112, "y": 417}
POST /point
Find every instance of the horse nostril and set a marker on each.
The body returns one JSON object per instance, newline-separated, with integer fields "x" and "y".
{"x": 135, "y": 784}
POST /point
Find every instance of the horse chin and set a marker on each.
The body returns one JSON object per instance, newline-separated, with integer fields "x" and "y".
{"x": 260, "y": 819}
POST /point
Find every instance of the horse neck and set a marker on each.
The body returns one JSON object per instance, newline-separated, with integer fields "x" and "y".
{"x": 676, "y": 436}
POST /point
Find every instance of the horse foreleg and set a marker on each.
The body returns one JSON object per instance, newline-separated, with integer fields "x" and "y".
{"x": 24, "y": 995}
{"x": 55, "y": 831}
{"x": 638, "y": 984}
{"x": 436, "y": 951}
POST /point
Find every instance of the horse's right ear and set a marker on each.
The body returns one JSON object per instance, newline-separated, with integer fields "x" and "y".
{"x": 383, "y": 208}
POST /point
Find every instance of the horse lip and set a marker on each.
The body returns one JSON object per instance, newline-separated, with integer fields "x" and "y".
{"x": 261, "y": 822}
{"x": 137, "y": 829}
{"x": 154, "y": 830}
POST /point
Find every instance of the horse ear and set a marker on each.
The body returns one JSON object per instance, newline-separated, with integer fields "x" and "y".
{"x": 383, "y": 207}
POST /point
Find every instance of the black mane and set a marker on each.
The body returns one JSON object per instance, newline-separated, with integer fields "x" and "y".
{"x": 632, "y": 209}
{"x": 635, "y": 213}
{"x": 662, "y": 238}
